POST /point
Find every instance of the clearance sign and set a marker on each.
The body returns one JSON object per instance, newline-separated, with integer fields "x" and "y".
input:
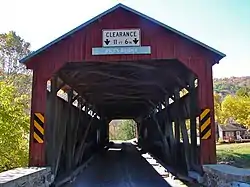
{"x": 121, "y": 38}
{"x": 121, "y": 42}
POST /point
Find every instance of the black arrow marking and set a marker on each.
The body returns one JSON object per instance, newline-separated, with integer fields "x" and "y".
{"x": 135, "y": 41}
{"x": 106, "y": 41}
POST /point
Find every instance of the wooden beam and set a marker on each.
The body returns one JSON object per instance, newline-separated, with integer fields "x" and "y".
{"x": 163, "y": 139}
{"x": 106, "y": 64}
{"x": 193, "y": 104}
{"x": 132, "y": 64}
{"x": 74, "y": 98}
{"x": 169, "y": 131}
{"x": 77, "y": 96}
{"x": 49, "y": 116}
{"x": 185, "y": 142}
{"x": 116, "y": 86}
{"x": 121, "y": 96}
{"x": 119, "y": 77}
{"x": 118, "y": 97}
{"x": 176, "y": 120}
{"x": 69, "y": 133}
{"x": 54, "y": 124}
{"x": 83, "y": 142}
{"x": 105, "y": 74}
{"x": 61, "y": 134}
{"x": 105, "y": 84}
{"x": 60, "y": 86}
{"x": 76, "y": 126}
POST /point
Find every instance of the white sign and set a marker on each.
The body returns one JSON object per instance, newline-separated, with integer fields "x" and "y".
{"x": 121, "y": 38}
{"x": 121, "y": 50}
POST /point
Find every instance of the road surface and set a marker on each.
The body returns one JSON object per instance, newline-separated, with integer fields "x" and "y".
{"x": 120, "y": 166}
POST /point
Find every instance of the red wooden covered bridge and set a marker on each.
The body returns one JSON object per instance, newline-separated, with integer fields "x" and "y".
{"x": 122, "y": 64}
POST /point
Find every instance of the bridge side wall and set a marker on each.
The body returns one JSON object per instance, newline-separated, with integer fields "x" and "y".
{"x": 38, "y": 102}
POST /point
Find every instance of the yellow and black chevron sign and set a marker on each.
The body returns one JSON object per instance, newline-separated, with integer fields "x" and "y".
{"x": 205, "y": 124}
{"x": 38, "y": 128}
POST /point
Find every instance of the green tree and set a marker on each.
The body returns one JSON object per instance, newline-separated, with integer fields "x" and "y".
{"x": 123, "y": 130}
{"x": 218, "y": 109}
{"x": 243, "y": 92}
{"x": 238, "y": 108}
{"x": 13, "y": 48}
{"x": 127, "y": 130}
{"x": 14, "y": 128}
{"x": 15, "y": 86}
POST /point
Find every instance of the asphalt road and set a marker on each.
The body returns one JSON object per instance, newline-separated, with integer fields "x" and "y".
{"x": 121, "y": 166}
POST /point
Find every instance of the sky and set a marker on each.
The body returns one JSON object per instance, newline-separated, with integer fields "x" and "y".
{"x": 221, "y": 24}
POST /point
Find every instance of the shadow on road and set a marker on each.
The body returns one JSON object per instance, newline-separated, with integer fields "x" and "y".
{"x": 120, "y": 166}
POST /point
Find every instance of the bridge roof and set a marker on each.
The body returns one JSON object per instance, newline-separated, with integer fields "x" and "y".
{"x": 125, "y": 89}
{"x": 216, "y": 52}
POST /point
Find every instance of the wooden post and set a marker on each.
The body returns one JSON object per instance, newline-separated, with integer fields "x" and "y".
{"x": 185, "y": 142}
{"x": 163, "y": 138}
{"x": 106, "y": 122}
{"x": 169, "y": 131}
{"x": 48, "y": 129}
{"x": 53, "y": 112}
{"x": 193, "y": 103}
{"x": 68, "y": 132}
{"x": 140, "y": 132}
{"x": 58, "y": 128}
{"x": 83, "y": 143}
{"x": 61, "y": 134}
{"x": 180, "y": 124}
{"x": 176, "y": 121}
{"x": 75, "y": 129}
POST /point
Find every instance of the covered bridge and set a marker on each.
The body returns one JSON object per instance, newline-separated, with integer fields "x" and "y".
{"x": 122, "y": 64}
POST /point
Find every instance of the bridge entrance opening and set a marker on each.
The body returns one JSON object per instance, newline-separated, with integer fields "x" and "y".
{"x": 122, "y": 130}
{"x": 148, "y": 92}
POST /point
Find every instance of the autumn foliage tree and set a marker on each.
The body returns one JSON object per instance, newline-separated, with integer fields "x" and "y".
{"x": 217, "y": 108}
{"x": 235, "y": 107}
{"x": 15, "y": 91}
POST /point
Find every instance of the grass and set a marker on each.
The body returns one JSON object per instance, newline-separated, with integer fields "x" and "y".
{"x": 236, "y": 154}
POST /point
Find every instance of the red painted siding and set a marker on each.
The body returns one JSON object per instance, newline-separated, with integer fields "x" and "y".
{"x": 38, "y": 105}
{"x": 164, "y": 45}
